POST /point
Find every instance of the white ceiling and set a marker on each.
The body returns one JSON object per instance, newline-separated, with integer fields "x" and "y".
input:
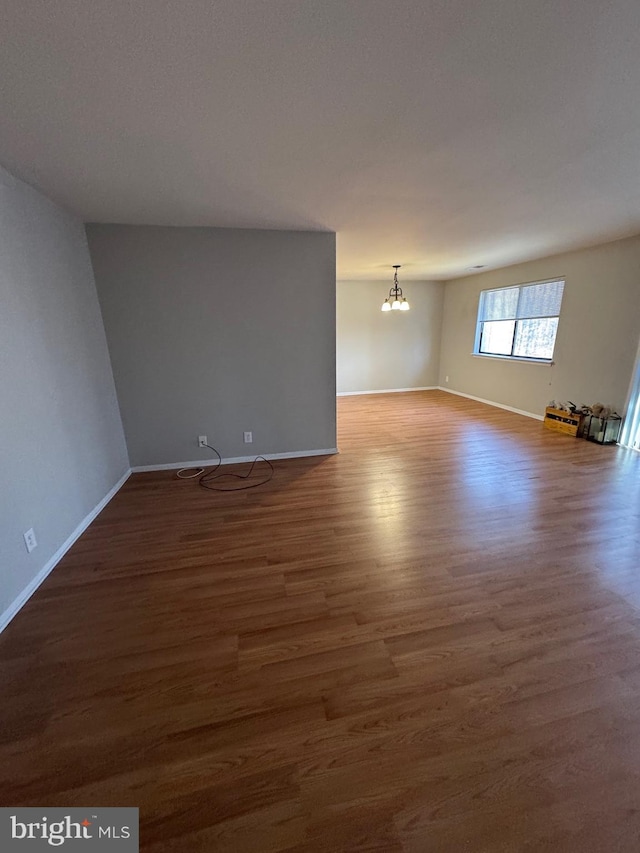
{"x": 438, "y": 134}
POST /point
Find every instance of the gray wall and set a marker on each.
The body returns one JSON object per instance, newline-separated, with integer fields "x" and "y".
{"x": 61, "y": 441}
{"x": 398, "y": 349}
{"x": 217, "y": 331}
{"x": 597, "y": 334}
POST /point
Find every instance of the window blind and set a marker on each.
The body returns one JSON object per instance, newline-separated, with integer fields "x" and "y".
{"x": 520, "y": 303}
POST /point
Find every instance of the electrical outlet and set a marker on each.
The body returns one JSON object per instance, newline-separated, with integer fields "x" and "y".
{"x": 248, "y": 437}
{"x": 446, "y": 378}
{"x": 30, "y": 540}
{"x": 202, "y": 441}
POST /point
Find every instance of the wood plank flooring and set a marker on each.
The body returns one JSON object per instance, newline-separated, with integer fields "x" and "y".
{"x": 429, "y": 642}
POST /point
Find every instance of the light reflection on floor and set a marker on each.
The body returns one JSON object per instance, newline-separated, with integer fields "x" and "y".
{"x": 480, "y": 499}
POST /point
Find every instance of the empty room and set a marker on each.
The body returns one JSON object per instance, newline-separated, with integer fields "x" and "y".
{"x": 320, "y": 432}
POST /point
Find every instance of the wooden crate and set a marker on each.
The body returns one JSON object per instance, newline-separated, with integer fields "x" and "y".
{"x": 561, "y": 421}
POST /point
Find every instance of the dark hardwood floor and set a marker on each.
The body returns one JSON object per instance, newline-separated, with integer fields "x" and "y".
{"x": 429, "y": 642}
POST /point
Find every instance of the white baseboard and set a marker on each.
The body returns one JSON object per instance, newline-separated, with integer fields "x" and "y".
{"x": 50, "y": 565}
{"x": 387, "y": 391}
{"x": 207, "y": 463}
{"x": 492, "y": 403}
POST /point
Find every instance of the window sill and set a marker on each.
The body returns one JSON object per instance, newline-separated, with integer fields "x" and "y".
{"x": 544, "y": 361}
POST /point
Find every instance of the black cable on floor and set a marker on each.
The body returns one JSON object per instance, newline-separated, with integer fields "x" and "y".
{"x": 206, "y": 478}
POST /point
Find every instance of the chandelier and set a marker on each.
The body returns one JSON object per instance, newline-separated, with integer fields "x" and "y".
{"x": 395, "y": 301}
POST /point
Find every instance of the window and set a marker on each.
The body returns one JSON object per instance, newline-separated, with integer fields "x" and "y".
{"x": 631, "y": 429}
{"x": 519, "y": 322}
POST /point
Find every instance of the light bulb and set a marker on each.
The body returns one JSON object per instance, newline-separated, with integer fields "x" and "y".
{"x": 395, "y": 305}
{"x": 404, "y": 305}
{"x": 386, "y": 306}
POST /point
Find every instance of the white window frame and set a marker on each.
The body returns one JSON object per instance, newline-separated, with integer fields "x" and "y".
{"x": 520, "y": 358}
